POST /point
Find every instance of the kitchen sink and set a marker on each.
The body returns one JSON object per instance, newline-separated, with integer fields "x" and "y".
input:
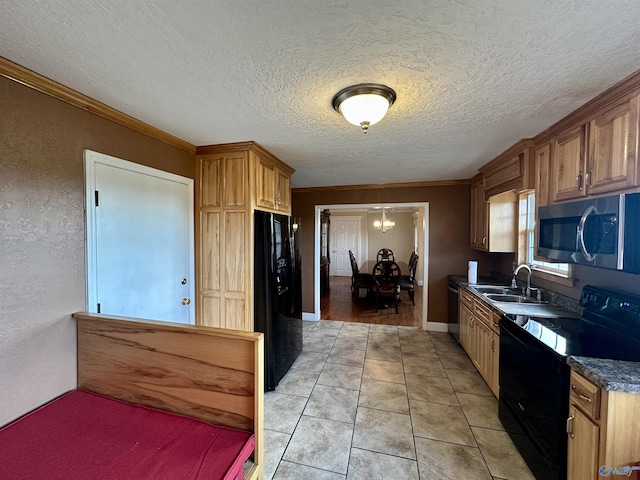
{"x": 496, "y": 289}
{"x": 511, "y": 298}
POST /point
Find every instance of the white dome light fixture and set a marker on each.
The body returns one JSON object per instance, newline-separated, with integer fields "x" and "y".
{"x": 364, "y": 104}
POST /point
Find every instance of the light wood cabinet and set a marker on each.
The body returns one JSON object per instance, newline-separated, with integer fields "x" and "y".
{"x": 493, "y": 225}
{"x": 480, "y": 337}
{"x": 466, "y": 320}
{"x": 600, "y": 429}
{"x": 229, "y": 187}
{"x": 582, "y": 454}
{"x": 542, "y": 161}
{"x": 511, "y": 170}
{"x": 482, "y": 349}
{"x": 612, "y": 160}
{"x": 273, "y": 185}
{"x": 599, "y": 156}
{"x": 478, "y": 214}
{"x": 567, "y": 170}
{"x": 495, "y": 362}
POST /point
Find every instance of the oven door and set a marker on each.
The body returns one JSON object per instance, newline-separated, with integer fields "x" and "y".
{"x": 534, "y": 388}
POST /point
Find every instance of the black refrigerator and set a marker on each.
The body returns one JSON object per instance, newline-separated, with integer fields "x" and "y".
{"x": 277, "y": 293}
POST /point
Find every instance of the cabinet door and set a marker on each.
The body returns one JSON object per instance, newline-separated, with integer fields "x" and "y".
{"x": 542, "y": 160}
{"x": 567, "y": 170}
{"x": 494, "y": 377}
{"x": 466, "y": 319}
{"x": 479, "y": 229}
{"x": 483, "y": 354}
{"x": 613, "y": 149}
{"x": 266, "y": 184}
{"x": 283, "y": 192}
{"x": 582, "y": 454}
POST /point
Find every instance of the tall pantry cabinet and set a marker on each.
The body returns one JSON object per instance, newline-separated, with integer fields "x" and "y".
{"x": 232, "y": 180}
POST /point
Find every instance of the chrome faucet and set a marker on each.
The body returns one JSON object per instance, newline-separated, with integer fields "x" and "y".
{"x": 527, "y": 292}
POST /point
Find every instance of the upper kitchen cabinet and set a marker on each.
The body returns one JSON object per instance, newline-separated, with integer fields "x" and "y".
{"x": 232, "y": 180}
{"x": 597, "y": 154}
{"x": 493, "y": 221}
{"x": 567, "y": 170}
{"x": 273, "y": 184}
{"x": 478, "y": 214}
{"x": 511, "y": 170}
{"x": 612, "y": 161}
{"x": 542, "y": 162}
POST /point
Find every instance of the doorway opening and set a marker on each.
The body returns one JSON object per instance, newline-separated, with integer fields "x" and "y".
{"x": 420, "y": 234}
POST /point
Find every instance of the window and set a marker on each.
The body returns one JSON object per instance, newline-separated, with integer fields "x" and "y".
{"x": 527, "y": 243}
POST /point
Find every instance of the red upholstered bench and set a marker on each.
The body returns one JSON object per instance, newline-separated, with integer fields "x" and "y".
{"x": 84, "y": 435}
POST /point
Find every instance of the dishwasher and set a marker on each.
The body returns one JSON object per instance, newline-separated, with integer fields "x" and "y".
{"x": 453, "y": 302}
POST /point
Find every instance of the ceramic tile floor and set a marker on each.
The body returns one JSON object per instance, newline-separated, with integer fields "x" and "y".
{"x": 367, "y": 401}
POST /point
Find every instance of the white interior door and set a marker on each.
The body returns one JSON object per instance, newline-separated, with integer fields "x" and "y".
{"x": 345, "y": 232}
{"x": 139, "y": 241}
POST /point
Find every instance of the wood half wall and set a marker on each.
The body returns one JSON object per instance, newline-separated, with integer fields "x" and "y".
{"x": 212, "y": 374}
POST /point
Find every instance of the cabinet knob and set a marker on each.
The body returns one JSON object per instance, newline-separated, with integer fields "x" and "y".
{"x": 579, "y": 181}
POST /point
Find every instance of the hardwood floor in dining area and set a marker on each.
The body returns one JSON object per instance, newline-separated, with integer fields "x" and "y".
{"x": 341, "y": 304}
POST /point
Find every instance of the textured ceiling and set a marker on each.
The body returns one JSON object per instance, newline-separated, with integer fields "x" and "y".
{"x": 472, "y": 76}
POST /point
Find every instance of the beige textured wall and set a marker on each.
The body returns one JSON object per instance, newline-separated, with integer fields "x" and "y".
{"x": 42, "y": 235}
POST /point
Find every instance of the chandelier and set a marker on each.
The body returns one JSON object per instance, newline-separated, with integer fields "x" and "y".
{"x": 384, "y": 223}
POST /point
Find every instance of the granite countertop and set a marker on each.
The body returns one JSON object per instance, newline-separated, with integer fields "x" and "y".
{"x": 612, "y": 375}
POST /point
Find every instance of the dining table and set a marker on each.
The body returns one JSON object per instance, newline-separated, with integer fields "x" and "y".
{"x": 367, "y": 267}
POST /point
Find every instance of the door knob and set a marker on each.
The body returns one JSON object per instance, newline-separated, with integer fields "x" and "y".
{"x": 184, "y": 281}
{"x": 186, "y": 301}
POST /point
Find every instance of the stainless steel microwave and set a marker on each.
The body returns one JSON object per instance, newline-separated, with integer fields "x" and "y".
{"x": 600, "y": 232}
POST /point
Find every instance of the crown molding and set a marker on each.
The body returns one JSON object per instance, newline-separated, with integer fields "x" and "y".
{"x": 377, "y": 186}
{"x": 42, "y": 84}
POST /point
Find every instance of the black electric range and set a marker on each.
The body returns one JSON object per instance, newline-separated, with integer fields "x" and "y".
{"x": 534, "y": 376}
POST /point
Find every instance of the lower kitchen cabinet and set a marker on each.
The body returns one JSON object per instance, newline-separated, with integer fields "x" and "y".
{"x": 602, "y": 430}
{"x": 479, "y": 336}
{"x": 582, "y": 454}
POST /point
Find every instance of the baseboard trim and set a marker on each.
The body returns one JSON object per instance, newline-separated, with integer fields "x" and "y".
{"x": 437, "y": 327}
{"x": 309, "y": 317}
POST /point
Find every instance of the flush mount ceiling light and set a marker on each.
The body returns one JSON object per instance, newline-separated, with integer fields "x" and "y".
{"x": 364, "y": 104}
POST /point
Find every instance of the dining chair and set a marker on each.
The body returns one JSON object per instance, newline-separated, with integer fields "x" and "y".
{"x": 386, "y": 281}
{"x": 407, "y": 282}
{"x": 385, "y": 254}
{"x": 359, "y": 280}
